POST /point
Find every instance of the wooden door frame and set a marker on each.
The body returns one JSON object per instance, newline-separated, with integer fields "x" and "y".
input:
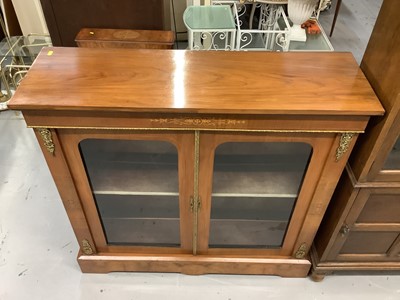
{"x": 322, "y": 145}
{"x": 70, "y": 139}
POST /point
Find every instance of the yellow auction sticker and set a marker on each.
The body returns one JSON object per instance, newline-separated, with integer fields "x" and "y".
{"x": 50, "y": 53}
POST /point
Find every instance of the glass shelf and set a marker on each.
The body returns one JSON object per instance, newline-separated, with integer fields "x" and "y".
{"x": 209, "y": 17}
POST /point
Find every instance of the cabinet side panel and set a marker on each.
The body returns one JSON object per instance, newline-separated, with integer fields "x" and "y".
{"x": 381, "y": 60}
{"x": 378, "y": 172}
{"x": 373, "y": 146}
{"x": 380, "y": 65}
{"x": 326, "y": 186}
{"x": 65, "y": 185}
{"x": 338, "y": 208}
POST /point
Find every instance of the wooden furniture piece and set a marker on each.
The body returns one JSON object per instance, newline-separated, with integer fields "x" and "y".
{"x": 338, "y": 4}
{"x": 65, "y": 18}
{"x": 195, "y": 161}
{"x": 125, "y": 38}
{"x": 361, "y": 229}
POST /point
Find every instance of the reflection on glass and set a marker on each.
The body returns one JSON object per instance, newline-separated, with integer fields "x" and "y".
{"x": 255, "y": 187}
{"x": 393, "y": 160}
{"x": 135, "y": 186}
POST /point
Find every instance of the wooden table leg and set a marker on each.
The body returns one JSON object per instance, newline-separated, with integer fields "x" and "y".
{"x": 339, "y": 2}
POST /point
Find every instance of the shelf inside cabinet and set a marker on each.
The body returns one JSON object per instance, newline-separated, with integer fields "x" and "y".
{"x": 142, "y": 231}
{"x": 122, "y": 178}
{"x": 259, "y": 169}
{"x": 249, "y": 208}
{"x": 139, "y": 220}
{"x": 131, "y": 167}
{"x": 249, "y": 222}
{"x": 250, "y": 183}
{"x": 122, "y": 206}
{"x": 247, "y": 233}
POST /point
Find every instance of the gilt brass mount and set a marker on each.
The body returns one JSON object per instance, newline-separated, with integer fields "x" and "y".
{"x": 195, "y": 200}
{"x": 86, "y": 248}
{"x": 344, "y": 144}
{"x": 47, "y": 139}
{"x": 301, "y": 252}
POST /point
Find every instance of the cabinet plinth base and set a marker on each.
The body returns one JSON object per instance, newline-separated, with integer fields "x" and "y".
{"x": 194, "y": 265}
{"x": 322, "y": 268}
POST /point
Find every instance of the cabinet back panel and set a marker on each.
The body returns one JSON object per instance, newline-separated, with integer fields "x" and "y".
{"x": 252, "y": 208}
{"x": 247, "y": 233}
{"x": 142, "y": 231}
{"x": 132, "y": 206}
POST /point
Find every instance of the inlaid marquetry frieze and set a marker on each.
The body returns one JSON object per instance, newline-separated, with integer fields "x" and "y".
{"x": 210, "y": 122}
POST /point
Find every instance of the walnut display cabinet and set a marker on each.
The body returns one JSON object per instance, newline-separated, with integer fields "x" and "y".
{"x": 195, "y": 162}
{"x": 361, "y": 229}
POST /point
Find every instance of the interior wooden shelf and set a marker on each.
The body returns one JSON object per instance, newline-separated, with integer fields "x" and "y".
{"x": 110, "y": 177}
{"x": 117, "y": 206}
{"x": 247, "y": 233}
{"x": 142, "y": 231}
{"x": 257, "y": 184}
{"x": 274, "y": 209}
{"x": 131, "y": 179}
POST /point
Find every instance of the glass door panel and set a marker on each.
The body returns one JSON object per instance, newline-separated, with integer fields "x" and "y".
{"x": 135, "y": 187}
{"x": 393, "y": 160}
{"x": 255, "y": 187}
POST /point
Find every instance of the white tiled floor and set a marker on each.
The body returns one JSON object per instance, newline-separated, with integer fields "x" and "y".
{"x": 38, "y": 248}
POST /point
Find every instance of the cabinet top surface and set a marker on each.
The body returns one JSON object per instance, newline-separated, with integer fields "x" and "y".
{"x": 196, "y": 82}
